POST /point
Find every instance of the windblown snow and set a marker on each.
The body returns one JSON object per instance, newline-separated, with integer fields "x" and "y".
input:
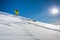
{"x": 20, "y": 28}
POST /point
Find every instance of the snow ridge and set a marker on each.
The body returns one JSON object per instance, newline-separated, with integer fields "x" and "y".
{"x": 20, "y": 28}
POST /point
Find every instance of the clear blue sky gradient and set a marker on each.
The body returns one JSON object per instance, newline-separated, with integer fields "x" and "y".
{"x": 34, "y": 9}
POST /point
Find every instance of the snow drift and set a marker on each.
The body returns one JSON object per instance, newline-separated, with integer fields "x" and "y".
{"x": 20, "y": 28}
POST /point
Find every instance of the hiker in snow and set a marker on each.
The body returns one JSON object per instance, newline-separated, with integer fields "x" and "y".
{"x": 16, "y": 12}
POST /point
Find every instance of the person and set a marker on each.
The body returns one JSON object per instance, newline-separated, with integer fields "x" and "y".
{"x": 16, "y": 12}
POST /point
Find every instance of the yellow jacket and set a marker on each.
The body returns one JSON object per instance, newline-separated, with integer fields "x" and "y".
{"x": 16, "y": 12}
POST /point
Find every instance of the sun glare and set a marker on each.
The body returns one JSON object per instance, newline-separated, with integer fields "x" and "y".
{"x": 54, "y": 11}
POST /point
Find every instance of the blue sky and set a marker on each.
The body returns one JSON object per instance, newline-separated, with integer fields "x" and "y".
{"x": 34, "y": 9}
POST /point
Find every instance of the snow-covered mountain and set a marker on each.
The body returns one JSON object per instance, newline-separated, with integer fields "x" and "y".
{"x": 20, "y": 28}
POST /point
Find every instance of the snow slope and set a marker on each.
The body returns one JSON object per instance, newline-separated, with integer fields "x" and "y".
{"x": 20, "y": 28}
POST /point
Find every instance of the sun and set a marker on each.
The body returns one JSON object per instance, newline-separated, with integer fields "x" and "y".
{"x": 54, "y": 11}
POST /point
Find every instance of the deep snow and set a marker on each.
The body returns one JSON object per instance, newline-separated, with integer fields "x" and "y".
{"x": 20, "y": 28}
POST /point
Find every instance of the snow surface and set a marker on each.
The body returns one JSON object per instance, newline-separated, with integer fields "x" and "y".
{"x": 20, "y": 28}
